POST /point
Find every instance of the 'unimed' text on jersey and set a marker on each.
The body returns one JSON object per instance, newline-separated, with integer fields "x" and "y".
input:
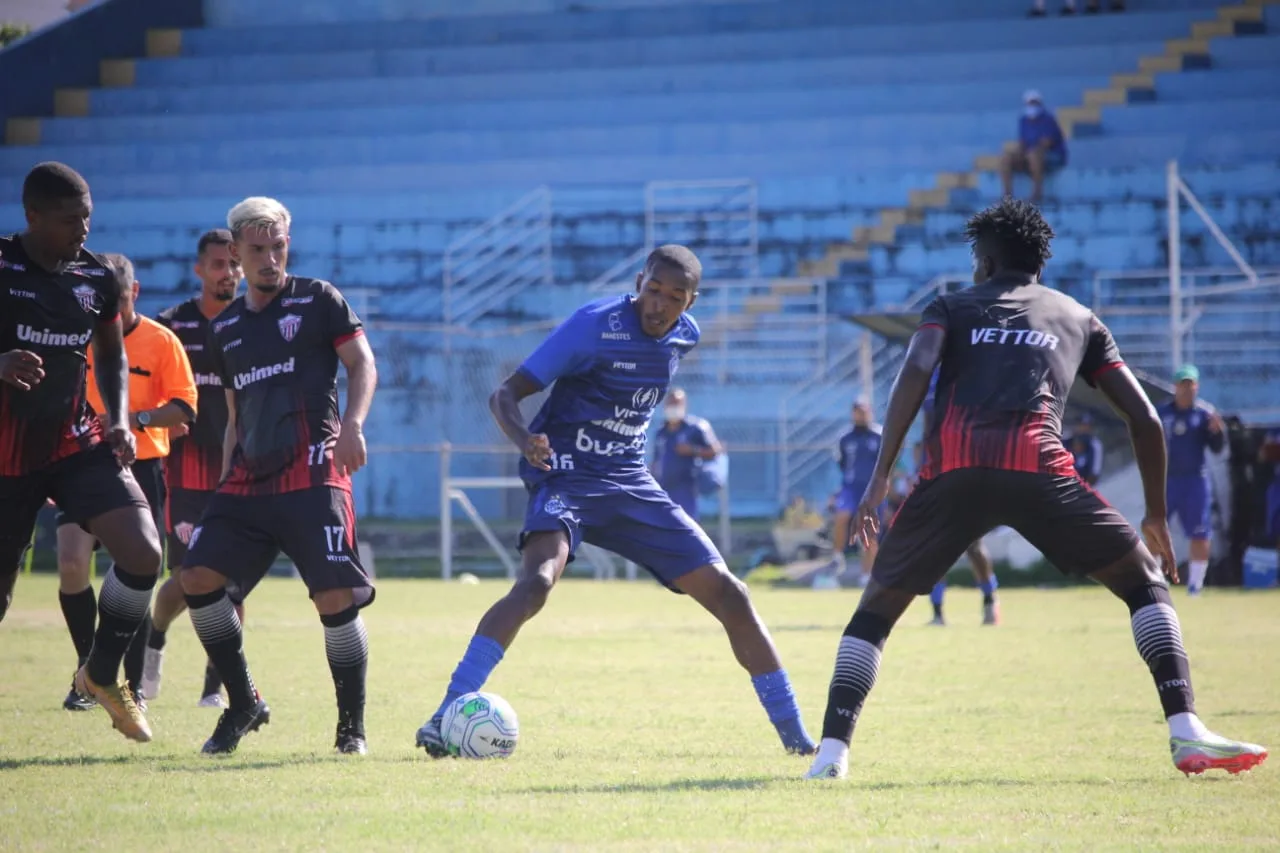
{"x": 1013, "y": 349}
{"x": 282, "y": 365}
{"x": 609, "y": 377}
{"x": 54, "y": 316}
{"x": 195, "y": 459}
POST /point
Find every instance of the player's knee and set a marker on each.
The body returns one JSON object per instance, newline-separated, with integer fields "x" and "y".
{"x": 532, "y": 590}
{"x": 200, "y": 581}
{"x": 73, "y": 573}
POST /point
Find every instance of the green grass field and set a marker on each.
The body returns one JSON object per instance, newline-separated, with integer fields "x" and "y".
{"x": 640, "y": 733}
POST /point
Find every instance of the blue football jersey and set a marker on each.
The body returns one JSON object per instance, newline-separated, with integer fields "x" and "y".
{"x": 1188, "y": 436}
{"x": 609, "y": 377}
{"x": 858, "y": 451}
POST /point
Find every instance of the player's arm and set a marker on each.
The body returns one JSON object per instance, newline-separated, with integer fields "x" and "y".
{"x": 111, "y": 369}
{"x": 178, "y": 386}
{"x": 566, "y": 351}
{"x": 504, "y": 405}
{"x": 362, "y": 378}
{"x": 710, "y": 444}
{"x": 1215, "y": 433}
{"x": 909, "y": 390}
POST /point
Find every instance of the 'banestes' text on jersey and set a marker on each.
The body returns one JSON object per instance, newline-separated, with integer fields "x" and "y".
{"x": 1013, "y": 349}
{"x": 1187, "y": 434}
{"x": 282, "y": 364}
{"x": 195, "y": 460}
{"x": 859, "y": 448}
{"x": 609, "y": 377}
{"x": 54, "y": 316}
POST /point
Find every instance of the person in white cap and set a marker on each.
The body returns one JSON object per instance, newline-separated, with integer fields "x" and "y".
{"x": 1041, "y": 146}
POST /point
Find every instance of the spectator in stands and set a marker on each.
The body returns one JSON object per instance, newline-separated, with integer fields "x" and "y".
{"x": 1087, "y": 448}
{"x": 1269, "y": 454}
{"x": 1069, "y": 7}
{"x": 1041, "y": 146}
{"x": 681, "y": 448}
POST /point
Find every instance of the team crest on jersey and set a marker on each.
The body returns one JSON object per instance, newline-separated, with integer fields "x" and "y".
{"x": 289, "y": 325}
{"x": 555, "y": 506}
{"x": 645, "y": 399}
{"x": 86, "y": 296}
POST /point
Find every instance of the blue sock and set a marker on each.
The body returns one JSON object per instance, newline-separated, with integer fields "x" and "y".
{"x": 779, "y": 701}
{"x": 482, "y": 655}
{"x": 989, "y": 588}
{"x": 937, "y": 593}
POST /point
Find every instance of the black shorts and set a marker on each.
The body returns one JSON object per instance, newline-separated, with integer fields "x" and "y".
{"x": 1060, "y": 516}
{"x": 182, "y": 514}
{"x": 84, "y": 485}
{"x": 240, "y": 536}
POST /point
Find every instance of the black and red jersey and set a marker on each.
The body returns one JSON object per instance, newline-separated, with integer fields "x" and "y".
{"x": 195, "y": 460}
{"x": 54, "y": 315}
{"x": 1013, "y": 349}
{"x": 282, "y": 365}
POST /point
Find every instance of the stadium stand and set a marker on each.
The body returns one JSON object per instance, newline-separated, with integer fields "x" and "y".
{"x": 865, "y": 132}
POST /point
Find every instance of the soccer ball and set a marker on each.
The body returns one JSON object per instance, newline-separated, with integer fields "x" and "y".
{"x": 480, "y": 725}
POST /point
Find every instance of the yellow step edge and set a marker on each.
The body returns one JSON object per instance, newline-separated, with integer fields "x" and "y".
{"x": 117, "y": 73}
{"x": 1182, "y": 47}
{"x": 1212, "y": 29}
{"x": 164, "y": 43}
{"x": 1104, "y": 97}
{"x": 70, "y": 103}
{"x": 1079, "y": 115}
{"x": 956, "y": 181}
{"x": 1134, "y": 81}
{"x": 884, "y": 235}
{"x": 893, "y": 216}
{"x": 924, "y": 199}
{"x": 1241, "y": 13}
{"x": 987, "y": 163}
{"x": 1262, "y": 2}
{"x": 761, "y": 305}
{"x": 1160, "y": 64}
{"x": 789, "y": 287}
{"x": 22, "y": 131}
{"x": 846, "y": 252}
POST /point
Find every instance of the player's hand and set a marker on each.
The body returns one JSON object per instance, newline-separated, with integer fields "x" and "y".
{"x": 1155, "y": 531}
{"x": 1216, "y": 424}
{"x": 349, "y": 452}
{"x": 866, "y": 518}
{"x": 538, "y": 450}
{"x": 179, "y": 431}
{"x": 21, "y": 369}
{"x": 123, "y": 445}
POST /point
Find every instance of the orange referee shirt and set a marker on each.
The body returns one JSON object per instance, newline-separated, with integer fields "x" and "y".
{"x": 159, "y": 373}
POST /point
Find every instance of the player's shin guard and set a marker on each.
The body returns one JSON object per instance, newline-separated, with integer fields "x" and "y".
{"x": 779, "y": 702}
{"x": 80, "y": 611}
{"x": 122, "y": 604}
{"x": 481, "y": 658}
{"x": 857, "y": 663}
{"x": 347, "y": 647}
{"x": 218, "y": 628}
{"x": 1159, "y": 638}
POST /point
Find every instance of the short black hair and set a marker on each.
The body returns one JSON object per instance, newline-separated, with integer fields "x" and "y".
{"x": 215, "y": 237}
{"x": 1015, "y": 232}
{"x": 52, "y": 182}
{"x": 123, "y": 268}
{"x": 678, "y": 257}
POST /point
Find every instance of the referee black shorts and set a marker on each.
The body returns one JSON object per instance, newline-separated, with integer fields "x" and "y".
{"x": 1060, "y": 516}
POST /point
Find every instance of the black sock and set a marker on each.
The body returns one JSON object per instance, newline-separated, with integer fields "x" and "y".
{"x": 136, "y": 654}
{"x": 988, "y": 599}
{"x": 857, "y": 663}
{"x": 212, "y": 681}
{"x": 80, "y": 610}
{"x": 7, "y": 580}
{"x": 157, "y": 638}
{"x": 1159, "y": 638}
{"x": 122, "y": 605}
{"x": 218, "y": 628}
{"x": 347, "y": 646}
{"x": 937, "y": 611}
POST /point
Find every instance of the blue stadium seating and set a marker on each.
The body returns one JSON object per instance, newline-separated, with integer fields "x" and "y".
{"x": 390, "y": 127}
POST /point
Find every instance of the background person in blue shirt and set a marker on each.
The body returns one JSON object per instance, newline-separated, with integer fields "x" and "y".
{"x": 856, "y": 457}
{"x": 1087, "y": 449}
{"x": 1041, "y": 147}
{"x": 681, "y": 447}
{"x": 1189, "y": 430}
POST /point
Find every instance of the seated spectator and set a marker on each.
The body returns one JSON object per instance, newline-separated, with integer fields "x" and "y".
{"x": 1069, "y": 7}
{"x": 1041, "y": 146}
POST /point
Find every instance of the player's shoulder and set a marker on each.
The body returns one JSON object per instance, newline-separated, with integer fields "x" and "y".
{"x": 607, "y": 308}
{"x": 184, "y": 311}
{"x": 228, "y": 316}
{"x": 688, "y": 327}
{"x": 93, "y": 267}
{"x": 875, "y": 429}
{"x": 303, "y": 291}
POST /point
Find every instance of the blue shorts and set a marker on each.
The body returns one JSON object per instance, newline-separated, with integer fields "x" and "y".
{"x": 640, "y": 524}
{"x": 1189, "y": 498}
{"x": 685, "y": 497}
{"x": 850, "y": 496}
{"x": 1273, "y": 510}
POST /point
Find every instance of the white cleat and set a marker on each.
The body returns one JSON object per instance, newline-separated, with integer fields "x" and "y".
{"x": 824, "y": 769}
{"x": 152, "y": 664}
{"x": 213, "y": 700}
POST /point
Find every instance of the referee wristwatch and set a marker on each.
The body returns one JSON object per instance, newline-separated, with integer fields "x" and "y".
{"x": 144, "y": 419}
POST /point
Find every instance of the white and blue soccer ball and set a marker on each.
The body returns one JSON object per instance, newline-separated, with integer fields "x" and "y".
{"x": 480, "y": 725}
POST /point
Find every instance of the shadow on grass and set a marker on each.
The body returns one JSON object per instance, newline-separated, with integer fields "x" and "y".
{"x": 657, "y": 787}
{"x": 158, "y": 763}
{"x": 759, "y": 782}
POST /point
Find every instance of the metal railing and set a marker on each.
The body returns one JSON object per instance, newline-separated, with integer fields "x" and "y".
{"x": 487, "y": 266}
{"x": 718, "y": 219}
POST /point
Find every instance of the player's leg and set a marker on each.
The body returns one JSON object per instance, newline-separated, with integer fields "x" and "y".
{"x": 1036, "y": 167}
{"x": 150, "y": 476}
{"x": 846, "y": 501}
{"x": 551, "y": 535}
{"x": 1198, "y": 509}
{"x": 660, "y": 536}
{"x": 984, "y": 575}
{"x": 76, "y": 599}
{"x": 96, "y": 493}
{"x": 22, "y": 497}
{"x": 1010, "y": 162}
{"x": 230, "y": 544}
{"x": 1081, "y": 534}
{"x": 939, "y": 519}
{"x": 937, "y": 596}
{"x": 317, "y": 530}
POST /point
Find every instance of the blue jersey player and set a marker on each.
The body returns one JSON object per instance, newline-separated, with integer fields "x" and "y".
{"x": 609, "y": 366}
{"x": 984, "y": 572}
{"x": 856, "y": 457}
{"x": 1190, "y": 429}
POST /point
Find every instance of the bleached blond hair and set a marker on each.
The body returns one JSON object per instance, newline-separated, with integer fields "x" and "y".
{"x": 257, "y": 212}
